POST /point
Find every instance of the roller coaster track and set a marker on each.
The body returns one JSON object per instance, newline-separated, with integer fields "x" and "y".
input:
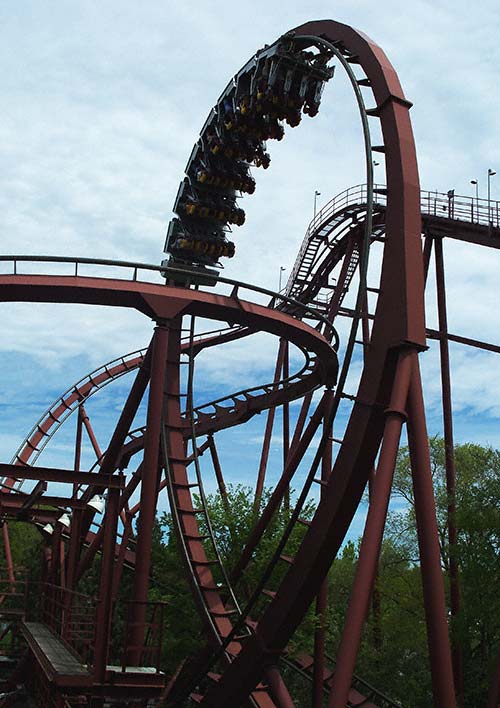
{"x": 239, "y": 405}
{"x": 324, "y": 243}
{"x": 362, "y": 694}
{"x": 322, "y": 247}
{"x": 329, "y": 222}
{"x": 245, "y": 642}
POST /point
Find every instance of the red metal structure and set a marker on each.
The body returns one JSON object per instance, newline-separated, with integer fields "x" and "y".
{"x": 246, "y": 642}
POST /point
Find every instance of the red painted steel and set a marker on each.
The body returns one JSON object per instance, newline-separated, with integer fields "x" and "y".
{"x": 457, "y": 653}
{"x": 399, "y": 323}
{"x": 149, "y": 488}
{"x": 389, "y": 389}
{"x": 428, "y": 539}
{"x": 372, "y": 536}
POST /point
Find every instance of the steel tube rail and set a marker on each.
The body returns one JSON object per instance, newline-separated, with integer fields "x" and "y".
{"x": 164, "y": 270}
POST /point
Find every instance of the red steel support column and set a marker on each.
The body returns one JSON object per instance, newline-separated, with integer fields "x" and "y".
{"x": 56, "y": 541}
{"x": 74, "y": 545}
{"x": 286, "y": 420}
{"x": 90, "y": 432}
{"x": 74, "y": 548}
{"x": 71, "y": 564}
{"x": 341, "y": 282}
{"x": 261, "y": 475}
{"x": 319, "y": 665}
{"x": 299, "y": 426}
{"x": 428, "y": 541}
{"x": 279, "y": 691}
{"x": 8, "y": 555}
{"x": 372, "y": 537}
{"x": 105, "y": 606}
{"x": 450, "y": 467}
{"x": 78, "y": 443}
{"x": 62, "y": 567}
{"x": 426, "y": 255}
{"x": 127, "y": 531}
{"x": 279, "y": 490}
{"x": 149, "y": 489}
{"x": 218, "y": 471}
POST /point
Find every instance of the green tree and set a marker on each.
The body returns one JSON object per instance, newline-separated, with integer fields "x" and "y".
{"x": 477, "y": 627}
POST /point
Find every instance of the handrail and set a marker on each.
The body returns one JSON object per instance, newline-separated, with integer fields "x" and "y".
{"x": 76, "y": 391}
{"x": 370, "y": 691}
{"x": 303, "y": 310}
{"x": 448, "y": 205}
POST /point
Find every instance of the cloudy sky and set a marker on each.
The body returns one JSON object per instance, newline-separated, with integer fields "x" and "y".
{"x": 101, "y": 104}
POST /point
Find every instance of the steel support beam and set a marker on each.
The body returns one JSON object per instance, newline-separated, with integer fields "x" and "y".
{"x": 369, "y": 552}
{"x": 449, "y": 449}
{"x": 271, "y": 507}
{"x": 319, "y": 665}
{"x": 53, "y": 474}
{"x": 149, "y": 489}
{"x": 428, "y": 541}
{"x": 105, "y": 606}
{"x": 261, "y": 474}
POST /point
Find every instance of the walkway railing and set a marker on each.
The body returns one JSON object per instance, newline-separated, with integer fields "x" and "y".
{"x": 71, "y": 617}
{"x": 129, "y": 271}
{"x": 440, "y": 204}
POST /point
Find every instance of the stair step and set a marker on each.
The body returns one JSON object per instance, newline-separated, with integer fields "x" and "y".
{"x": 224, "y": 613}
{"x": 196, "y": 537}
{"x": 189, "y": 510}
{"x": 212, "y": 588}
{"x": 205, "y": 562}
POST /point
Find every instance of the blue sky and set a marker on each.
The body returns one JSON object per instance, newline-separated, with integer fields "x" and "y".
{"x": 102, "y": 103}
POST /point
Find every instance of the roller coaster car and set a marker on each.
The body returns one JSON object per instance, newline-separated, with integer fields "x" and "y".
{"x": 218, "y": 203}
{"x": 224, "y": 211}
{"x": 295, "y": 76}
{"x": 280, "y": 82}
{"x": 224, "y": 176}
{"x": 196, "y": 246}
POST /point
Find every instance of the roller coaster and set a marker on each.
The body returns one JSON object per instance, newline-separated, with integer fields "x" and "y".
{"x": 364, "y": 261}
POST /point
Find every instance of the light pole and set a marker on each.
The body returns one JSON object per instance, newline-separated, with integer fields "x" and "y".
{"x": 490, "y": 175}
{"x": 316, "y": 195}
{"x": 282, "y": 268}
{"x": 474, "y": 181}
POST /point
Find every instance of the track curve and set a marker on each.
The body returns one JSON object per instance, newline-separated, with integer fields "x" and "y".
{"x": 390, "y": 364}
